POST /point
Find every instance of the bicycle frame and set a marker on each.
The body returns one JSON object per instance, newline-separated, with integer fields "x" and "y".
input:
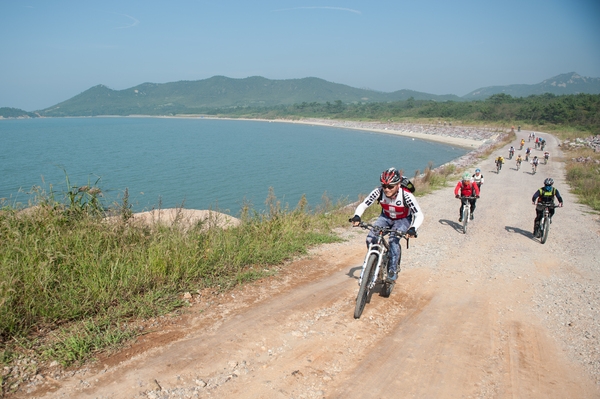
{"x": 545, "y": 223}
{"x": 372, "y": 271}
{"x": 380, "y": 249}
{"x": 466, "y": 213}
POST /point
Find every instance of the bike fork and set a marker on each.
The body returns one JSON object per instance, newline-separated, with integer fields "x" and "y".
{"x": 373, "y": 249}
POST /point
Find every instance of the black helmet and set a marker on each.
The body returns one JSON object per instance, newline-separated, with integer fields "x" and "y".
{"x": 390, "y": 176}
{"x": 549, "y": 181}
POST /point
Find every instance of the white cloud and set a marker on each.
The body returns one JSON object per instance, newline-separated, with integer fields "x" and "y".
{"x": 133, "y": 23}
{"x": 321, "y": 8}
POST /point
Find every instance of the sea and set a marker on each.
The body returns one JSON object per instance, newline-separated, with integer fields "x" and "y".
{"x": 201, "y": 163}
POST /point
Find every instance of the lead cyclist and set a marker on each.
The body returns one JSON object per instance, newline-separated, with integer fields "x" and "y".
{"x": 399, "y": 211}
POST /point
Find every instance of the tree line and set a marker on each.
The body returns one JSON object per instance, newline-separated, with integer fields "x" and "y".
{"x": 580, "y": 111}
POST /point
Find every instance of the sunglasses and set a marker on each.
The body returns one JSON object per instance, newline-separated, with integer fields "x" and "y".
{"x": 389, "y": 186}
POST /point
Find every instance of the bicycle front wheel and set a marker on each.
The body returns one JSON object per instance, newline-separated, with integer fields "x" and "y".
{"x": 545, "y": 230}
{"x": 363, "y": 291}
{"x": 466, "y": 215}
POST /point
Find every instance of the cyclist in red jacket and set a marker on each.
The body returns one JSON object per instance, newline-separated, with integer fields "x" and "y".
{"x": 466, "y": 188}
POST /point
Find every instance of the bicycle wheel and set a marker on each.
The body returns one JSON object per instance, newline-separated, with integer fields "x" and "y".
{"x": 545, "y": 230}
{"x": 363, "y": 291}
{"x": 466, "y": 215}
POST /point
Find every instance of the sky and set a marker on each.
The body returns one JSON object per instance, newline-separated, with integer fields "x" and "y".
{"x": 52, "y": 50}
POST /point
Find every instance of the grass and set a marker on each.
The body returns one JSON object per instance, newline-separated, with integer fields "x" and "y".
{"x": 584, "y": 177}
{"x": 73, "y": 285}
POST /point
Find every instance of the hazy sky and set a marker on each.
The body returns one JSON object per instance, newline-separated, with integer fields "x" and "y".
{"x": 52, "y": 50}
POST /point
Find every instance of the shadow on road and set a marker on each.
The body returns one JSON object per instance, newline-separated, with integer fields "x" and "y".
{"x": 517, "y": 230}
{"x": 457, "y": 226}
{"x": 354, "y": 272}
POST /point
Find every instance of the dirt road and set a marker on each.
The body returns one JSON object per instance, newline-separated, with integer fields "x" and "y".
{"x": 489, "y": 314}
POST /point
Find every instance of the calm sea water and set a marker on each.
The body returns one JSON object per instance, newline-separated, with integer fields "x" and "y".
{"x": 203, "y": 163}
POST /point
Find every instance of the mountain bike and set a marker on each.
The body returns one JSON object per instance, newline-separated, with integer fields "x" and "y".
{"x": 375, "y": 266}
{"x": 518, "y": 165}
{"x": 498, "y": 167}
{"x": 466, "y": 213}
{"x": 545, "y": 222}
{"x": 510, "y": 154}
{"x": 533, "y": 168}
{"x": 546, "y": 159}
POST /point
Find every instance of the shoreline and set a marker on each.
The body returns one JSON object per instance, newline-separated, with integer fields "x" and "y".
{"x": 459, "y": 136}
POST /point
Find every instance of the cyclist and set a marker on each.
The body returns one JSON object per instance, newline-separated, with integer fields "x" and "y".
{"x": 499, "y": 161}
{"x": 466, "y": 188}
{"x": 527, "y": 153}
{"x": 546, "y": 156}
{"x": 542, "y": 144}
{"x": 399, "y": 211}
{"x": 478, "y": 178}
{"x": 511, "y": 152}
{"x": 535, "y": 162}
{"x": 522, "y": 144}
{"x": 544, "y": 196}
{"x": 519, "y": 160}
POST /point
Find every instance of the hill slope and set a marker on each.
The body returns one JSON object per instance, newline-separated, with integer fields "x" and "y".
{"x": 220, "y": 92}
{"x": 567, "y": 83}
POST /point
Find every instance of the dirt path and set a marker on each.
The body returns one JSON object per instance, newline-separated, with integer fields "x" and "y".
{"x": 489, "y": 314}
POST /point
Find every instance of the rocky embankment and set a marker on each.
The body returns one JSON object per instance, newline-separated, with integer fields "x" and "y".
{"x": 592, "y": 142}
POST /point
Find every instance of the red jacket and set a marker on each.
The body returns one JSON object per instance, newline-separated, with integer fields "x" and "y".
{"x": 467, "y": 190}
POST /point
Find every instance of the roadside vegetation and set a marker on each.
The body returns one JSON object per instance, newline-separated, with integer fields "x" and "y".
{"x": 74, "y": 284}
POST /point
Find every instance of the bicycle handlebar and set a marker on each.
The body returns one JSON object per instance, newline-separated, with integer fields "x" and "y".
{"x": 384, "y": 230}
{"x": 470, "y": 197}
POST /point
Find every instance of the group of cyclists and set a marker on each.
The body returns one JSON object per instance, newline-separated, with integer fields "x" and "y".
{"x": 400, "y": 209}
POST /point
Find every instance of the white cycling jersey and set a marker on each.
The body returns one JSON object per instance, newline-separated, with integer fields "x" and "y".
{"x": 403, "y": 205}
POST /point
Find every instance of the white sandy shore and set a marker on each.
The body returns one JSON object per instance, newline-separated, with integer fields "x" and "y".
{"x": 459, "y": 136}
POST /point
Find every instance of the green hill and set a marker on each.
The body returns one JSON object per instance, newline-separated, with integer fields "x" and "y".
{"x": 186, "y": 97}
{"x": 567, "y": 83}
{"x": 6, "y": 112}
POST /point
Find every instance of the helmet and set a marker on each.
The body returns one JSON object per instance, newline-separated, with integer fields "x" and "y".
{"x": 549, "y": 181}
{"x": 390, "y": 176}
{"x": 466, "y": 176}
{"x": 477, "y": 170}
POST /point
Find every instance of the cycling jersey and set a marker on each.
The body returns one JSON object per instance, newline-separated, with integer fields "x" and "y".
{"x": 402, "y": 205}
{"x": 468, "y": 189}
{"x": 546, "y": 196}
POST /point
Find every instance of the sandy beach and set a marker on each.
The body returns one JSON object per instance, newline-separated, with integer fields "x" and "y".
{"x": 460, "y": 136}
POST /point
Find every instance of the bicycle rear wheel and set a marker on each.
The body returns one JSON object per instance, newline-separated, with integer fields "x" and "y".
{"x": 363, "y": 291}
{"x": 545, "y": 229}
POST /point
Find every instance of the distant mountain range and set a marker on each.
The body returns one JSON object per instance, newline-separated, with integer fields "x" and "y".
{"x": 567, "y": 83}
{"x": 188, "y": 97}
